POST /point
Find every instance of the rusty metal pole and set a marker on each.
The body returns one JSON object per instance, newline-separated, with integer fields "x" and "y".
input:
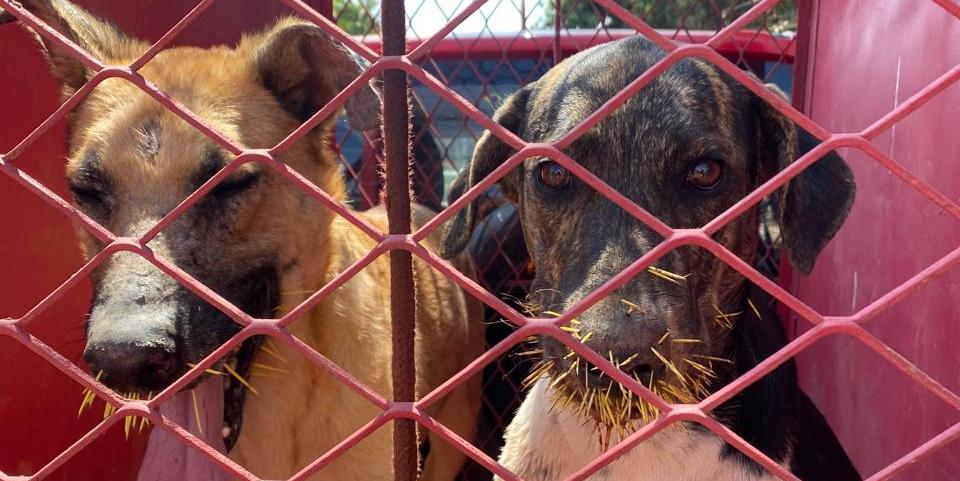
{"x": 396, "y": 138}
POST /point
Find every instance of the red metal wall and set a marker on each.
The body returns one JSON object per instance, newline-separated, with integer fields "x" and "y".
{"x": 866, "y": 58}
{"x": 38, "y": 404}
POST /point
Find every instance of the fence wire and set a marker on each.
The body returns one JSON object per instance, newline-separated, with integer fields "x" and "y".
{"x": 455, "y": 95}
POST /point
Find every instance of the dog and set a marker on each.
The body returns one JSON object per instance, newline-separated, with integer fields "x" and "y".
{"x": 685, "y": 148}
{"x": 255, "y": 239}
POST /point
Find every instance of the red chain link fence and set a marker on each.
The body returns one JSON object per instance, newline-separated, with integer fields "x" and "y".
{"x": 457, "y": 80}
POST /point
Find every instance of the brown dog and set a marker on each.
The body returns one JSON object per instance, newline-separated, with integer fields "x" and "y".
{"x": 258, "y": 241}
{"x": 686, "y": 147}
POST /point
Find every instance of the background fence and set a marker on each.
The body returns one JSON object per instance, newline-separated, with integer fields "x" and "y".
{"x": 838, "y": 85}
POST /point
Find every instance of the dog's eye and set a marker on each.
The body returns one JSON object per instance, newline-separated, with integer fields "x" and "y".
{"x": 231, "y": 187}
{"x": 553, "y": 176}
{"x": 87, "y": 196}
{"x": 706, "y": 174}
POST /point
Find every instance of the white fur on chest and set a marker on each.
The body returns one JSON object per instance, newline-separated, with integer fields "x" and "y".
{"x": 549, "y": 446}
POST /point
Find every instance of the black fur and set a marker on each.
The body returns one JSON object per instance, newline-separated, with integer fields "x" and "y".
{"x": 776, "y": 400}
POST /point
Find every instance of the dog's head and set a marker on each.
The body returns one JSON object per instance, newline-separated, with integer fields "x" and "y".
{"x": 685, "y": 148}
{"x": 132, "y": 161}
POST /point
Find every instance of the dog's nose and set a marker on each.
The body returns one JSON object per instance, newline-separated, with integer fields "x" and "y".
{"x": 130, "y": 365}
{"x": 642, "y": 371}
{"x": 638, "y": 369}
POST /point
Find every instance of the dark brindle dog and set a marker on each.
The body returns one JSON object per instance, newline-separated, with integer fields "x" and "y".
{"x": 685, "y": 148}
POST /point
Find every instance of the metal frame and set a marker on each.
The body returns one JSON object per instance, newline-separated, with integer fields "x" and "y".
{"x": 395, "y": 65}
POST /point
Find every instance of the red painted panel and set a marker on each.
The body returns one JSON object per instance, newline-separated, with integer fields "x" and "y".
{"x": 867, "y": 57}
{"x": 38, "y": 404}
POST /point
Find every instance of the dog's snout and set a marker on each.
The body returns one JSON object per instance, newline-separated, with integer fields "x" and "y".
{"x": 641, "y": 368}
{"x": 132, "y": 365}
{"x": 132, "y": 333}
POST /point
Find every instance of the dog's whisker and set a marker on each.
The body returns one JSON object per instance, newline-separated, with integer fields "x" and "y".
{"x": 603, "y": 401}
{"x": 108, "y": 409}
{"x": 667, "y": 275}
{"x": 127, "y": 422}
{"x": 754, "y": 308}
{"x": 196, "y": 410}
{"x": 270, "y": 349}
{"x": 283, "y": 308}
{"x": 539, "y": 370}
{"x": 700, "y": 367}
{"x": 628, "y": 360}
{"x": 601, "y": 405}
{"x": 528, "y": 308}
{"x": 676, "y": 394}
{"x": 305, "y": 291}
{"x": 631, "y": 307}
{"x": 724, "y": 319}
{"x": 208, "y": 371}
{"x": 617, "y": 411}
{"x": 240, "y": 378}
{"x": 670, "y": 365}
{"x": 533, "y": 352}
{"x": 561, "y": 377}
{"x": 609, "y": 405}
{"x": 569, "y": 400}
{"x": 83, "y": 403}
{"x": 267, "y": 367}
{"x": 712, "y": 358}
{"x": 88, "y": 396}
{"x": 653, "y": 411}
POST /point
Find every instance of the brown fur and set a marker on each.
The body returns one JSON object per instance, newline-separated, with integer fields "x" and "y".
{"x": 141, "y": 160}
{"x": 314, "y": 428}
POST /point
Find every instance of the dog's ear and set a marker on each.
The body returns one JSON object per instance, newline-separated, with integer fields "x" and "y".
{"x": 101, "y": 39}
{"x": 488, "y": 154}
{"x": 814, "y": 204}
{"x": 304, "y": 67}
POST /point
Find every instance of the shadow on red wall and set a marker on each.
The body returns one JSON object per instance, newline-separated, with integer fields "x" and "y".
{"x": 868, "y": 57}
